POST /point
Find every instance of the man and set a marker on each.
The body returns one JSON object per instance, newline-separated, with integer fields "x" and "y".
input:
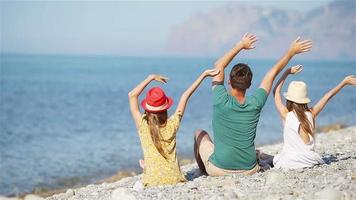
{"x": 235, "y": 116}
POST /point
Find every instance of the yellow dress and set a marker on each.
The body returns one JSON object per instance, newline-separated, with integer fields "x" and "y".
{"x": 157, "y": 169}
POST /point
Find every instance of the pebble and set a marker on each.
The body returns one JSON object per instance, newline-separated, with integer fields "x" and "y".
{"x": 70, "y": 192}
{"x": 95, "y": 193}
{"x": 138, "y": 186}
{"x": 328, "y": 194}
{"x": 274, "y": 177}
{"x": 216, "y": 197}
{"x": 300, "y": 170}
{"x": 347, "y": 196}
{"x": 121, "y": 194}
{"x": 353, "y": 176}
{"x": 231, "y": 194}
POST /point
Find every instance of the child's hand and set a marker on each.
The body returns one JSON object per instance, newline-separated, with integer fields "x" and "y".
{"x": 211, "y": 72}
{"x": 298, "y": 46}
{"x": 295, "y": 69}
{"x": 350, "y": 80}
{"x": 159, "y": 78}
{"x": 247, "y": 41}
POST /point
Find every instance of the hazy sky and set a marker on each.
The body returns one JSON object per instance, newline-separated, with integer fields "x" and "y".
{"x": 103, "y": 27}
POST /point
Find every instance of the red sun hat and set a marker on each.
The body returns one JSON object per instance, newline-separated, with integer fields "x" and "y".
{"x": 156, "y": 101}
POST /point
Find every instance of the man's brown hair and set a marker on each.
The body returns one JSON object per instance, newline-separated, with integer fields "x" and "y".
{"x": 240, "y": 76}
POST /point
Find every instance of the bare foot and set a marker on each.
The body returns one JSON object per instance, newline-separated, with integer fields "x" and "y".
{"x": 142, "y": 163}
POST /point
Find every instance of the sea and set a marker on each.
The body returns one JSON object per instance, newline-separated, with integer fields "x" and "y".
{"x": 66, "y": 118}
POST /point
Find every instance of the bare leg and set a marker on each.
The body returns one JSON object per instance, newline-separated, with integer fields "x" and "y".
{"x": 142, "y": 163}
{"x": 199, "y": 135}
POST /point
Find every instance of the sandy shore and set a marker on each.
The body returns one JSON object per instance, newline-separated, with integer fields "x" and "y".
{"x": 334, "y": 180}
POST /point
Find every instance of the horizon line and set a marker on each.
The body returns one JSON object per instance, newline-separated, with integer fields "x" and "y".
{"x": 152, "y": 56}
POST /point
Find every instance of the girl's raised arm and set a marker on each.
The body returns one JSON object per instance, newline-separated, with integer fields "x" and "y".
{"x": 186, "y": 95}
{"x": 348, "y": 80}
{"x": 282, "y": 110}
{"x": 133, "y": 96}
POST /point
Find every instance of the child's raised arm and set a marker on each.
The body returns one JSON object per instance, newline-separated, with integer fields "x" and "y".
{"x": 133, "y": 96}
{"x": 296, "y": 47}
{"x": 348, "y": 80}
{"x": 186, "y": 95}
{"x": 281, "y": 108}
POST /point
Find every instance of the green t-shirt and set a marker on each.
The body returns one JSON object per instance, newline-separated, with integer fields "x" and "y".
{"x": 234, "y": 127}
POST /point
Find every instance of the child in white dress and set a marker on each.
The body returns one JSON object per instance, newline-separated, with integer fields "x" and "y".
{"x": 298, "y": 119}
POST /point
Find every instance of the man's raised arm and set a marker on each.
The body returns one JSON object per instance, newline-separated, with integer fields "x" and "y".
{"x": 296, "y": 47}
{"x": 246, "y": 42}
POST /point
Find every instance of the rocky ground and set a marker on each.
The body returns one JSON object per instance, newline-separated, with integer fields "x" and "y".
{"x": 334, "y": 180}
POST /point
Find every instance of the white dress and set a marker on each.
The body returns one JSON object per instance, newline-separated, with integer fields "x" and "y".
{"x": 295, "y": 153}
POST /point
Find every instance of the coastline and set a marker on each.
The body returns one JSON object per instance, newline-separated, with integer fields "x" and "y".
{"x": 337, "y": 146}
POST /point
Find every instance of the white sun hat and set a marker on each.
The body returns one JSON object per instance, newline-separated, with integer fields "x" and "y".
{"x": 297, "y": 92}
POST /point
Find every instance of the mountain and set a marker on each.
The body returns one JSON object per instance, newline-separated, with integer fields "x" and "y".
{"x": 331, "y": 27}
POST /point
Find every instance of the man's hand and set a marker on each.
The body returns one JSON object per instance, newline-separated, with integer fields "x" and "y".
{"x": 349, "y": 80}
{"x": 159, "y": 78}
{"x": 211, "y": 72}
{"x": 247, "y": 41}
{"x": 295, "y": 69}
{"x": 298, "y": 46}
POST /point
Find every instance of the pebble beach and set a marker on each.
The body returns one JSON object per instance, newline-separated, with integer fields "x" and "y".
{"x": 335, "y": 180}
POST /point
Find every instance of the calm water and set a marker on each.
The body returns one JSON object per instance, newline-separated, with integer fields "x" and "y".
{"x": 66, "y": 117}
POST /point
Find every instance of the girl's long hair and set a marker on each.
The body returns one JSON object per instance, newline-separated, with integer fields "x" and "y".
{"x": 155, "y": 121}
{"x": 300, "y": 110}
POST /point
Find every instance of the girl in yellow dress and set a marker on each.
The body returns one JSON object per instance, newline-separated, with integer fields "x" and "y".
{"x": 157, "y": 131}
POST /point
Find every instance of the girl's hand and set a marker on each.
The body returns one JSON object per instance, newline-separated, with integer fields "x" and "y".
{"x": 350, "y": 80}
{"x": 248, "y": 40}
{"x": 295, "y": 69}
{"x": 159, "y": 78}
{"x": 211, "y": 72}
{"x": 298, "y": 46}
